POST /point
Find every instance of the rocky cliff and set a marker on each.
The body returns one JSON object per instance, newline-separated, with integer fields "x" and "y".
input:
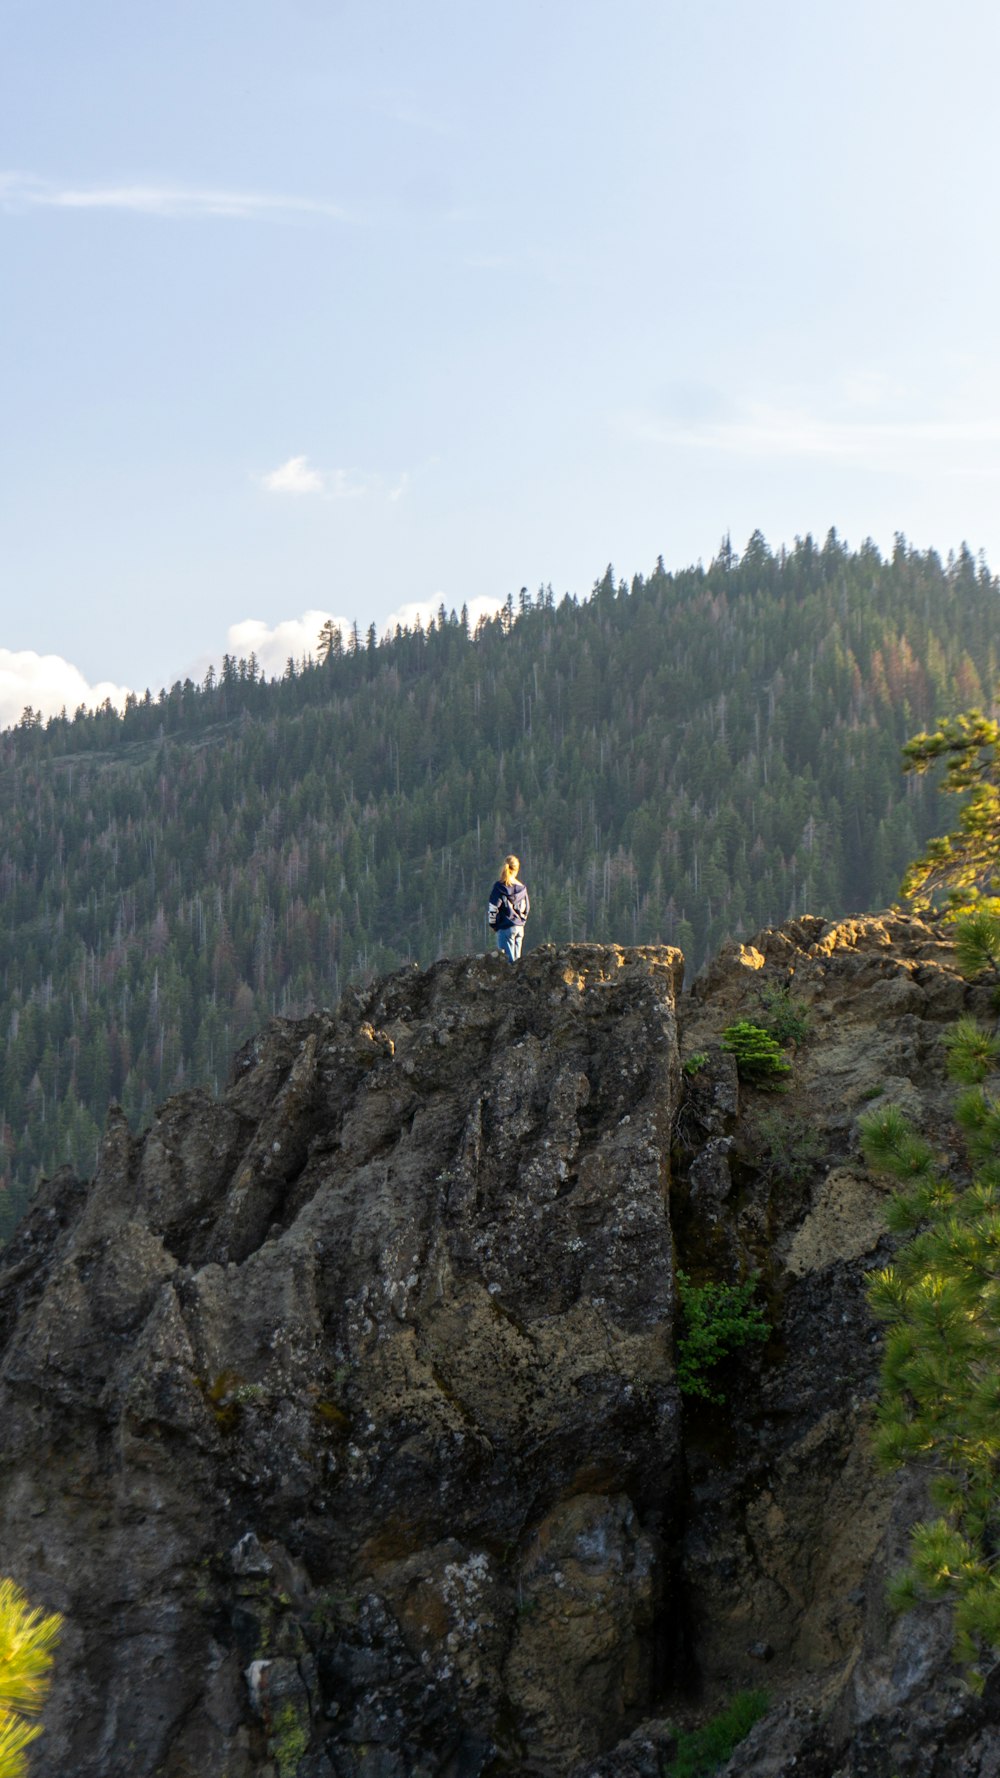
{"x": 340, "y": 1416}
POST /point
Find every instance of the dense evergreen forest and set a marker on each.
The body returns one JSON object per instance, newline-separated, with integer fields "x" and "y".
{"x": 689, "y": 757}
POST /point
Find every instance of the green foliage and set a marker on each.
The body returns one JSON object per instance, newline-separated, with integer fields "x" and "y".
{"x": 27, "y": 1641}
{"x": 973, "y": 1053}
{"x": 758, "y": 1055}
{"x": 940, "y": 1382}
{"x": 977, "y": 941}
{"x": 716, "y": 1321}
{"x": 891, "y": 1146}
{"x": 682, "y": 760}
{"x": 786, "y": 1148}
{"x": 785, "y": 1019}
{"x": 961, "y": 870}
{"x": 702, "y": 1751}
{"x": 694, "y": 1063}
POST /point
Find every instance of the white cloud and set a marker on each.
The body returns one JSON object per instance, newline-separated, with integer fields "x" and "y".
{"x": 769, "y": 432}
{"x": 24, "y": 191}
{"x": 406, "y": 615}
{"x": 48, "y": 683}
{"x": 272, "y": 644}
{"x": 297, "y": 476}
{"x": 294, "y": 477}
{"x": 482, "y": 607}
{"x": 298, "y": 637}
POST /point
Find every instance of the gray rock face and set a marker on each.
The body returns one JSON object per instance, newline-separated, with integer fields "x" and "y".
{"x": 339, "y": 1417}
{"x": 791, "y": 1535}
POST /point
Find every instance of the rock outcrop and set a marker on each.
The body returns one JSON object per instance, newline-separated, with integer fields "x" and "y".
{"x": 791, "y": 1532}
{"x": 340, "y": 1416}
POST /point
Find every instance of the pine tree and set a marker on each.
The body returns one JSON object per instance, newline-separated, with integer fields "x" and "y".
{"x": 330, "y": 642}
{"x": 27, "y": 1641}
{"x": 964, "y": 866}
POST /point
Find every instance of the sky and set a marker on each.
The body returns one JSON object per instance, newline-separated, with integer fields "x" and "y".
{"x": 346, "y": 308}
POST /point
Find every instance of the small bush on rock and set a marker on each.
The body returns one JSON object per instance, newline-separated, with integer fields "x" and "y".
{"x": 716, "y": 1321}
{"x": 694, "y": 1063}
{"x": 758, "y": 1055}
{"x": 788, "y": 1148}
{"x": 702, "y": 1751}
{"x": 785, "y": 1019}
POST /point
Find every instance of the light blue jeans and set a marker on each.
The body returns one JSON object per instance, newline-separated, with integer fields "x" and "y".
{"x": 509, "y": 942}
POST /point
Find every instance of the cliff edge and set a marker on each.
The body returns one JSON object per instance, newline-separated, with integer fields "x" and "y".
{"x": 341, "y": 1418}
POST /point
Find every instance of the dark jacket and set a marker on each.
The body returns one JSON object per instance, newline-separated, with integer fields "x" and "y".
{"x": 509, "y": 905}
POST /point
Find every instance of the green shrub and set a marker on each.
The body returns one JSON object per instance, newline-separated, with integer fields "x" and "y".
{"x": 694, "y": 1063}
{"x": 787, "y": 1148}
{"x": 758, "y": 1055}
{"x": 786, "y": 1020}
{"x": 702, "y": 1751}
{"x": 716, "y": 1321}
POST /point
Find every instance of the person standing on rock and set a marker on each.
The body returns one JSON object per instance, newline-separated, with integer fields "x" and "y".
{"x": 509, "y": 908}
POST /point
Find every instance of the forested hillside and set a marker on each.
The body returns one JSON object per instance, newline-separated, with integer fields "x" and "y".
{"x": 693, "y": 756}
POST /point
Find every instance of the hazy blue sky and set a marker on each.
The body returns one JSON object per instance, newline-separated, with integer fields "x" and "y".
{"x": 346, "y": 306}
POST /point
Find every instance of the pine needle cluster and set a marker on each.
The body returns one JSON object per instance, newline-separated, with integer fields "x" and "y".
{"x": 940, "y": 1384}
{"x": 27, "y": 1640}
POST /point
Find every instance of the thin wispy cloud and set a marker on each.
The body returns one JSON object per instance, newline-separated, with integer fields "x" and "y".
{"x": 20, "y": 192}
{"x": 298, "y": 477}
{"x": 765, "y": 433}
{"x": 546, "y": 264}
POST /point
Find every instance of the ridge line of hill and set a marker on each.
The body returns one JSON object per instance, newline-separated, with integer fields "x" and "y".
{"x": 682, "y": 760}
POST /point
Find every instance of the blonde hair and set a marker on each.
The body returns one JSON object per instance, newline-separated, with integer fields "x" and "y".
{"x": 509, "y": 868}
